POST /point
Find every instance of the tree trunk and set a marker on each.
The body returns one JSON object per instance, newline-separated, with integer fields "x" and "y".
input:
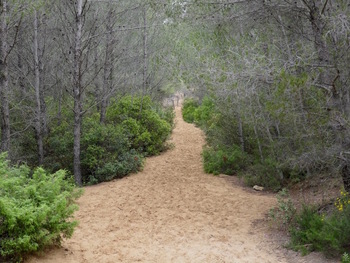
{"x": 77, "y": 90}
{"x": 107, "y": 67}
{"x": 5, "y": 111}
{"x": 318, "y": 25}
{"x": 38, "y": 118}
{"x": 145, "y": 56}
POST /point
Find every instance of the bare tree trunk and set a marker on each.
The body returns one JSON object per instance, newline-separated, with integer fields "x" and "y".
{"x": 107, "y": 67}
{"x": 77, "y": 90}
{"x": 145, "y": 55}
{"x": 5, "y": 111}
{"x": 285, "y": 39}
{"x": 240, "y": 126}
{"x": 256, "y": 131}
{"x": 318, "y": 25}
{"x": 20, "y": 55}
{"x": 240, "y": 132}
{"x": 38, "y": 118}
{"x": 97, "y": 91}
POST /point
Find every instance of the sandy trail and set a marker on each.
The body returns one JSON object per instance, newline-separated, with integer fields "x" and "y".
{"x": 170, "y": 212}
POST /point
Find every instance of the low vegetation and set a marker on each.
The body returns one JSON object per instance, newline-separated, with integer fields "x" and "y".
{"x": 224, "y": 153}
{"x": 315, "y": 229}
{"x": 309, "y": 229}
{"x": 37, "y": 204}
{"x": 111, "y": 149}
{"x": 36, "y": 209}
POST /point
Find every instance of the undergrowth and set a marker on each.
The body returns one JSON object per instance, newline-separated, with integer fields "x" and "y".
{"x": 35, "y": 210}
{"x": 310, "y": 230}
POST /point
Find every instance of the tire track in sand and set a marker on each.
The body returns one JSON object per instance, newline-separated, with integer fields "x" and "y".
{"x": 170, "y": 212}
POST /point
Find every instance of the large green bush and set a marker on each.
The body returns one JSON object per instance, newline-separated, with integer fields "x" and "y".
{"x": 204, "y": 113}
{"x": 35, "y": 210}
{"x": 224, "y": 160}
{"x": 265, "y": 173}
{"x": 188, "y": 110}
{"x": 145, "y": 128}
{"x": 321, "y": 232}
{"x": 135, "y": 127}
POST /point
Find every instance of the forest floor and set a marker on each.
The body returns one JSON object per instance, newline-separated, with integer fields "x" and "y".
{"x": 173, "y": 212}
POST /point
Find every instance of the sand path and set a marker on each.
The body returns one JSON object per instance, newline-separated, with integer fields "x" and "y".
{"x": 170, "y": 212}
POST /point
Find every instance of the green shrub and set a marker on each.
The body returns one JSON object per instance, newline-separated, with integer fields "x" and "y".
{"x": 224, "y": 160}
{"x": 188, "y": 110}
{"x": 167, "y": 114}
{"x": 203, "y": 114}
{"x": 101, "y": 144}
{"x": 35, "y": 211}
{"x": 314, "y": 231}
{"x": 284, "y": 213}
{"x": 128, "y": 163}
{"x": 345, "y": 258}
{"x": 264, "y": 173}
{"x": 60, "y": 147}
{"x": 146, "y": 130}
{"x": 108, "y": 150}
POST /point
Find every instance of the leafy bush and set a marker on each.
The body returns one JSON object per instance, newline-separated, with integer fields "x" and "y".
{"x": 35, "y": 211}
{"x": 126, "y": 164}
{"x": 314, "y": 231}
{"x": 284, "y": 213}
{"x": 345, "y": 258}
{"x": 116, "y": 148}
{"x": 188, "y": 110}
{"x": 263, "y": 173}
{"x": 203, "y": 114}
{"x": 224, "y": 160}
{"x": 146, "y": 130}
{"x": 101, "y": 144}
{"x": 167, "y": 114}
{"x": 60, "y": 147}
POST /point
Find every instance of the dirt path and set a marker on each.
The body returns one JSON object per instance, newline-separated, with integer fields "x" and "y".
{"x": 170, "y": 212}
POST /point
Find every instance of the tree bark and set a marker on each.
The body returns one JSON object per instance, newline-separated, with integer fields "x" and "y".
{"x": 107, "y": 67}
{"x": 77, "y": 90}
{"x": 145, "y": 57}
{"x": 38, "y": 117}
{"x": 4, "y": 89}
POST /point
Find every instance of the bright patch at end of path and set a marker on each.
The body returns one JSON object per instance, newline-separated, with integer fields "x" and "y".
{"x": 170, "y": 212}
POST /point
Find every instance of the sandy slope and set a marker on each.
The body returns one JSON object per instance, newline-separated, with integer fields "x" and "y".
{"x": 170, "y": 212}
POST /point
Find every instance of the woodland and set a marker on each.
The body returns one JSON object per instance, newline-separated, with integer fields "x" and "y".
{"x": 82, "y": 86}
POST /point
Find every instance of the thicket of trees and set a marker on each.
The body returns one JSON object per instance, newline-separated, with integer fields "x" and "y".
{"x": 270, "y": 87}
{"x": 61, "y": 64}
{"x": 277, "y": 73}
{"x": 81, "y": 84}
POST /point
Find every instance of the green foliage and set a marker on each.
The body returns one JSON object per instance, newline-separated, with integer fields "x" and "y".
{"x": 116, "y": 148}
{"x": 284, "y": 213}
{"x": 60, "y": 147}
{"x": 224, "y": 160}
{"x": 199, "y": 114}
{"x": 167, "y": 114}
{"x": 263, "y": 173}
{"x": 145, "y": 128}
{"x": 204, "y": 113}
{"x": 188, "y": 110}
{"x": 35, "y": 211}
{"x": 124, "y": 165}
{"x": 345, "y": 258}
{"x": 101, "y": 144}
{"x": 314, "y": 231}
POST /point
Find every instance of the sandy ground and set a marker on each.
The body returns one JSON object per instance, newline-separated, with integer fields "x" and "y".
{"x": 172, "y": 212}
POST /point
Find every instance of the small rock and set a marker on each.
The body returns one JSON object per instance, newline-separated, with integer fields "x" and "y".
{"x": 258, "y": 188}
